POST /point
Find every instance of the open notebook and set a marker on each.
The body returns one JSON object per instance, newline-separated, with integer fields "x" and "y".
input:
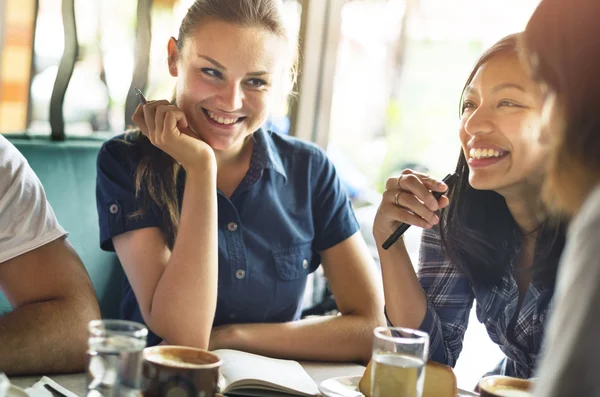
{"x": 253, "y": 375}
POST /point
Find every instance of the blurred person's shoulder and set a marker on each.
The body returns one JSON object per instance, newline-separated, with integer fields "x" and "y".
{"x": 587, "y": 220}
{"x": 582, "y": 248}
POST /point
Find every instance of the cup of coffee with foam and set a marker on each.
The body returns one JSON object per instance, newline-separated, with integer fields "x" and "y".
{"x": 505, "y": 386}
{"x": 178, "y": 371}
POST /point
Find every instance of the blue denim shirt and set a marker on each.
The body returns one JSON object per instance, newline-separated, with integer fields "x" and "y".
{"x": 289, "y": 207}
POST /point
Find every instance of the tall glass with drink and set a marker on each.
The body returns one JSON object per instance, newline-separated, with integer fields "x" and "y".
{"x": 115, "y": 358}
{"x": 398, "y": 362}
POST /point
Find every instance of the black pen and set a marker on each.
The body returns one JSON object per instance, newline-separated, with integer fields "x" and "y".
{"x": 140, "y": 96}
{"x": 448, "y": 180}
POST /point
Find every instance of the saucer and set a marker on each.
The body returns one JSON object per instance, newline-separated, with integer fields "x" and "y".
{"x": 347, "y": 386}
{"x": 343, "y": 386}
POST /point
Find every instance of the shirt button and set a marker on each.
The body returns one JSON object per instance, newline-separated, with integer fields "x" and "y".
{"x": 305, "y": 264}
{"x": 113, "y": 209}
{"x": 232, "y": 226}
{"x": 240, "y": 274}
{"x": 232, "y": 315}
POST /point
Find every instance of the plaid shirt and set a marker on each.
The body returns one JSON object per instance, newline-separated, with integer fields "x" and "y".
{"x": 450, "y": 297}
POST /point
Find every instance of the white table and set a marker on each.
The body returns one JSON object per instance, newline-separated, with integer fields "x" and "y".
{"x": 319, "y": 371}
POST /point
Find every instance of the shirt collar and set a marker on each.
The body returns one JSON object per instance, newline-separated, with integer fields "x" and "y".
{"x": 265, "y": 152}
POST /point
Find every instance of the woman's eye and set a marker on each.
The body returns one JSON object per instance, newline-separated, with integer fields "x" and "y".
{"x": 212, "y": 72}
{"x": 467, "y": 105}
{"x": 508, "y": 103}
{"x": 257, "y": 83}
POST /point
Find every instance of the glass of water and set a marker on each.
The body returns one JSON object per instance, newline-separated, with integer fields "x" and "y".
{"x": 115, "y": 358}
{"x": 399, "y": 357}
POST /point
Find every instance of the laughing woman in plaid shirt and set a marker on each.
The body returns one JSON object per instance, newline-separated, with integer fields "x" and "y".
{"x": 492, "y": 241}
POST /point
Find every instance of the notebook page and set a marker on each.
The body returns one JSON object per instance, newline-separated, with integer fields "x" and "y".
{"x": 241, "y": 368}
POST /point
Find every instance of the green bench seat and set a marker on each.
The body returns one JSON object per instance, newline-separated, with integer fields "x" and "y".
{"x": 68, "y": 172}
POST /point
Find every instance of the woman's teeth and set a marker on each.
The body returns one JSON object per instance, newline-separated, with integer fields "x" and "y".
{"x": 221, "y": 120}
{"x": 485, "y": 153}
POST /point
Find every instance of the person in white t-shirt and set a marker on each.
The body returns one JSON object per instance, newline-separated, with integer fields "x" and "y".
{"x": 41, "y": 276}
{"x": 563, "y": 43}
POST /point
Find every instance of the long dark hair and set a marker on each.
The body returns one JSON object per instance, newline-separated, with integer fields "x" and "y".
{"x": 562, "y": 42}
{"x": 478, "y": 232}
{"x": 157, "y": 173}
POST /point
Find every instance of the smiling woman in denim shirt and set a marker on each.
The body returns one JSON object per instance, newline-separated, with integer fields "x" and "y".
{"x": 216, "y": 221}
{"x": 492, "y": 242}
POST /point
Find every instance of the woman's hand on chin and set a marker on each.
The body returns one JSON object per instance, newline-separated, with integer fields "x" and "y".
{"x": 167, "y": 128}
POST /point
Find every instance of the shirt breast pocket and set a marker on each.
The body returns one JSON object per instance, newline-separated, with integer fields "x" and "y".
{"x": 292, "y": 264}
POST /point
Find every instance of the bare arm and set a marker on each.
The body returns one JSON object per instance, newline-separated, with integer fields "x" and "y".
{"x": 406, "y": 304}
{"x": 177, "y": 291}
{"x": 53, "y": 302}
{"x": 406, "y": 199}
{"x": 351, "y": 274}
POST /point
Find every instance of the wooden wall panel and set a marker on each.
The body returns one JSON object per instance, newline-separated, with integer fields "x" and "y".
{"x": 15, "y": 63}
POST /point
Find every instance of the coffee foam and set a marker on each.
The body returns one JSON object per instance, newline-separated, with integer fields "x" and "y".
{"x": 171, "y": 360}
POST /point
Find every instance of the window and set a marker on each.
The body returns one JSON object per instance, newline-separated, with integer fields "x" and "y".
{"x": 16, "y": 47}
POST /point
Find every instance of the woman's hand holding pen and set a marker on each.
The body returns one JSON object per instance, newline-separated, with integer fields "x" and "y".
{"x": 167, "y": 128}
{"x": 408, "y": 199}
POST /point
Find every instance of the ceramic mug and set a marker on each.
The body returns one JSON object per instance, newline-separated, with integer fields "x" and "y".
{"x": 178, "y": 371}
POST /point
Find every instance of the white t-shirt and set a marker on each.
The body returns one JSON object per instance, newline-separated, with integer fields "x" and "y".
{"x": 571, "y": 362}
{"x": 26, "y": 218}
